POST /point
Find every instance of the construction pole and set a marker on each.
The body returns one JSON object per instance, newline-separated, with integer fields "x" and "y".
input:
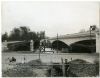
{"x": 63, "y": 67}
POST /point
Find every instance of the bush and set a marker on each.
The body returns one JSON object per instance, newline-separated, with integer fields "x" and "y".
{"x": 81, "y": 68}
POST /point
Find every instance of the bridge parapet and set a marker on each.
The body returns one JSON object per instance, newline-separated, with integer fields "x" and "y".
{"x": 75, "y": 35}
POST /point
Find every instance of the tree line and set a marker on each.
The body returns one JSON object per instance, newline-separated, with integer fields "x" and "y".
{"x": 23, "y": 33}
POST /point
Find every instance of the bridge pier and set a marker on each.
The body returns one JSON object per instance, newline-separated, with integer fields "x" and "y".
{"x": 31, "y": 46}
{"x": 98, "y": 41}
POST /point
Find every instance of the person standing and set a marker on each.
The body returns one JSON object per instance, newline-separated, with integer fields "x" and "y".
{"x": 67, "y": 67}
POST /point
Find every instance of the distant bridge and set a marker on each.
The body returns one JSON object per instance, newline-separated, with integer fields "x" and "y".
{"x": 11, "y": 42}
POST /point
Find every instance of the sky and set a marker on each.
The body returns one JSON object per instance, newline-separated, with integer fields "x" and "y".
{"x": 51, "y": 17}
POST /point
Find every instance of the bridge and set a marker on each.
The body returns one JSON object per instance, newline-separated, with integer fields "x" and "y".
{"x": 83, "y": 39}
{"x": 73, "y": 38}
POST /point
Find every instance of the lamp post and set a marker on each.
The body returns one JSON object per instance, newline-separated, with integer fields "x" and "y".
{"x": 97, "y": 32}
{"x": 92, "y": 28}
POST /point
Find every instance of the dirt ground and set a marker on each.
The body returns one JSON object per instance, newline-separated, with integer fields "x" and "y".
{"x": 45, "y": 58}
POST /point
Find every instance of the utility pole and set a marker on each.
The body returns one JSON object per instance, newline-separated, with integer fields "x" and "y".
{"x": 57, "y": 42}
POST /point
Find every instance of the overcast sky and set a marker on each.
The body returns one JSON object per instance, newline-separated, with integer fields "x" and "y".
{"x": 53, "y": 17}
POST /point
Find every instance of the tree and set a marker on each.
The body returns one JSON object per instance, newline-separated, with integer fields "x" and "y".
{"x": 15, "y": 35}
{"x": 18, "y": 34}
{"x": 32, "y": 36}
{"x": 24, "y": 32}
{"x": 5, "y": 36}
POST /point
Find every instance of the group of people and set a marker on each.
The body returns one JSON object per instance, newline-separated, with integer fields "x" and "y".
{"x": 12, "y": 59}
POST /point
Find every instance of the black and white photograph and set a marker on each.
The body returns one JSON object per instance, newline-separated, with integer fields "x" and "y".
{"x": 50, "y": 38}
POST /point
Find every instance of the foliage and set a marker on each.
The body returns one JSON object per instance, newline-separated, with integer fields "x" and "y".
{"x": 4, "y": 36}
{"x": 23, "y": 33}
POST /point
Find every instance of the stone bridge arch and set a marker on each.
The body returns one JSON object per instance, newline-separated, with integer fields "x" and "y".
{"x": 59, "y": 44}
{"x": 79, "y": 43}
{"x": 69, "y": 41}
{"x": 84, "y": 46}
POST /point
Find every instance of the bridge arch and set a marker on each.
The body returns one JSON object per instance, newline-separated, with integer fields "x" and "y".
{"x": 19, "y": 46}
{"x": 84, "y": 46}
{"x": 80, "y": 46}
{"x": 60, "y": 45}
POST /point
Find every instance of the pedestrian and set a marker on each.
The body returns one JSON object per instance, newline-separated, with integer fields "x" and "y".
{"x": 24, "y": 59}
{"x": 67, "y": 67}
